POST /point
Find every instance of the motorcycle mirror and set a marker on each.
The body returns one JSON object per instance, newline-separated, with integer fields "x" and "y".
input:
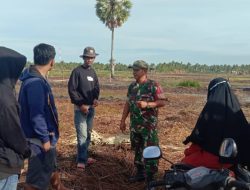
{"x": 151, "y": 153}
{"x": 228, "y": 148}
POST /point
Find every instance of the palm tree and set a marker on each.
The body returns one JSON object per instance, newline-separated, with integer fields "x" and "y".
{"x": 113, "y": 13}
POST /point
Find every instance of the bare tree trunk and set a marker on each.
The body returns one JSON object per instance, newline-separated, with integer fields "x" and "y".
{"x": 112, "y": 61}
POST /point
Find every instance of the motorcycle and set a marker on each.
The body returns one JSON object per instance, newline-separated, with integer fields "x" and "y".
{"x": 184, "y": 177}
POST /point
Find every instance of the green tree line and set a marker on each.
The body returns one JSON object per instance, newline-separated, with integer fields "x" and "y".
{"x": 172, "y": 66}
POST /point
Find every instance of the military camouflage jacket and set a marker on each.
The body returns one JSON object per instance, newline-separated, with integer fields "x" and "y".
{"x": 149, "y": 91}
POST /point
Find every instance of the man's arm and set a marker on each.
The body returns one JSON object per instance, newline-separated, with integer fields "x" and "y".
{"x": 160, "y": 99}
{"x": 96, "y": 91}
{"x": 96, "y": 88}
{"x": 72, "y": 89}
{"x": 37, "y": 112}
{"x": 124, "y": 116}
{"x": 155, "y": 104}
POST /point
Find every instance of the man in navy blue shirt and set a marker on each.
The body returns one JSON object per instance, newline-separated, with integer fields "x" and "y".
{"x": 39, "y": 120}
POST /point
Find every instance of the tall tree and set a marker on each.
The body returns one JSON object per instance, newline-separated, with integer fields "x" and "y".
{"x": 113, "y": 13}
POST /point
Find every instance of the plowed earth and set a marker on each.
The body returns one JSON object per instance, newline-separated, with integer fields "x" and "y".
{"x": 115, "y": 161}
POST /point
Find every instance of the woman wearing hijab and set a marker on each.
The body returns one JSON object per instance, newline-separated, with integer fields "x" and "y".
{"x": 13, "y": 145}
{"x": 220, "y": 118}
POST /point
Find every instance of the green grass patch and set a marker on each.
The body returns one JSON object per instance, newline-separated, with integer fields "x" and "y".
{"x": 110, "y": 94}
{"x": 188, "y": 83}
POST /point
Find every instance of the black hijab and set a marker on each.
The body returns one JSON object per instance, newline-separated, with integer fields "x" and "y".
{"x": 11, "y": 135}
{"x": 221, "y": 118}
{"x": 11, "y": 66}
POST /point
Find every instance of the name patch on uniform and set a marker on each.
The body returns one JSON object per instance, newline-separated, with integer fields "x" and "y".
{"x": 90, "y": 78}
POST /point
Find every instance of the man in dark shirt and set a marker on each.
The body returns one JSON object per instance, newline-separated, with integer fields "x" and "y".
{"x": 83, "y": 88}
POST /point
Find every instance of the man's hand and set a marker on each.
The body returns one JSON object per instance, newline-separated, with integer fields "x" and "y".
{"x": 95, "y": 102}
{"x": 84, "y": 108}
{"x": 123, "y": 126}
{"x": 141, "y": 104}
{"x": 46, "y": 146}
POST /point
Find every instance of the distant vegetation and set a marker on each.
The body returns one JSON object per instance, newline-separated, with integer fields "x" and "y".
{"x": 171, "y": 67}
{"x": 188, "y": 83}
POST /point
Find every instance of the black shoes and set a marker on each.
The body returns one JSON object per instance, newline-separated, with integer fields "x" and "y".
{"x": 137, "y": 178}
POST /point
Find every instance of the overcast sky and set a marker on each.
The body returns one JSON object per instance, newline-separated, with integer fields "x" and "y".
{"x": 195, "y": 31}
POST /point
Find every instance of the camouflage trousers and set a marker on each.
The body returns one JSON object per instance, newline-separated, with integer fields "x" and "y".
{"x": 140, "y": 140}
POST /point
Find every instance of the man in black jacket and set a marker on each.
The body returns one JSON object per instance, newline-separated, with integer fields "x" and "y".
{"x": 83, "y": 88}
{"x": 13, "y": 146}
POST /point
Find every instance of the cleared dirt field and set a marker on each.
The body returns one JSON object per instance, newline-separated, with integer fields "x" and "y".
{"x": 115, "y": 161}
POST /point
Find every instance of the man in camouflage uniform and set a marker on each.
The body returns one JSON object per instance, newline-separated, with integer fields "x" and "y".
{"x": 145, "y": 96}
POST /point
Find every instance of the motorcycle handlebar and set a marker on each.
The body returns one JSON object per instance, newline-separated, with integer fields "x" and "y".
{"x": 157, "y": 183}
{"x": 235, "y": 183}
